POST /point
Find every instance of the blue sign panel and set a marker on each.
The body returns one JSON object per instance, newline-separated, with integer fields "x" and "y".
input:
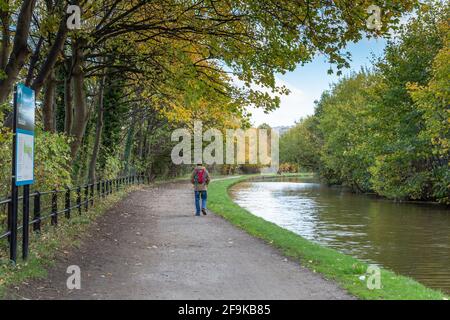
{"x": 26, "y": 105}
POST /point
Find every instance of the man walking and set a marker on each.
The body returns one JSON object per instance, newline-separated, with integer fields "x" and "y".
{"x": 200, "y": 179}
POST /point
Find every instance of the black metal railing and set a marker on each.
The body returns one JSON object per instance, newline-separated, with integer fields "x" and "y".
{"x": 52, "y": 204}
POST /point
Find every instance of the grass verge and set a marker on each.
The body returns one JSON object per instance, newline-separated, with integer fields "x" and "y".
{"x": 333, "y": 265}
{"x": 52, "y": 241}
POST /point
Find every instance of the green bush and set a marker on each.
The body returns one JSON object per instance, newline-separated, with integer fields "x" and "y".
{"x": 52, "y": 169}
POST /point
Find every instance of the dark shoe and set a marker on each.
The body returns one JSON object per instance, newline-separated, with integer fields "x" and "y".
{"x": 204, "y": 211}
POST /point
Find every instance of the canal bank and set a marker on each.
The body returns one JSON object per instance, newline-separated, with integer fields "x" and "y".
{"x": 349, "y": 272}
{"x": 410, "y": 239}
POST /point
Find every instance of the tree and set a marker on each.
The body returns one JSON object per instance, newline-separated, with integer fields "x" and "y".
{"x": 404, "y": 159}
{"x": 433, "y": 100}
{"x": 387, "y": 130}
{"x": 301, "y": 144}
{"x": 172, "y": 59}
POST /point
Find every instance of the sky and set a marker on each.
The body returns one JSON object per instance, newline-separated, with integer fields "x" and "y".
{"x": 307, "y": 83}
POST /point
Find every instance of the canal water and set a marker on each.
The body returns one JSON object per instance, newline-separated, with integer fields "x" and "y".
{"x": 408, "y": 238}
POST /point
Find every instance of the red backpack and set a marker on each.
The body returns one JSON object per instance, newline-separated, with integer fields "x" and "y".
{"x": 200, "y": 176}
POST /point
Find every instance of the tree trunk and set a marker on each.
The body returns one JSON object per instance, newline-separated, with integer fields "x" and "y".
{"x": 48, "y": 109}
{"x": 80, "y": 109}
{"x": 52, "y": 56}
{"x": 5, "y": 19}
{"x": 145, "y": 143}
{"x": 140, "y": 139}
{"x": 98, "y": 132}
{"x": 19, "y": 52}
{"x": 129, "y": 145}
{"x": 68, "y": 114}
{"x": 33, "y": 60}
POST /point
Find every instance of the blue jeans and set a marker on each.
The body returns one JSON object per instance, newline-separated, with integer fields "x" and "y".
{"x": 204, "y": 196}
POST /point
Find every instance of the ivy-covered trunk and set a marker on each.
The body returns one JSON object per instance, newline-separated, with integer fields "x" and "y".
{"x": 98, "y": 131}
{"x": 19, "y": 52}
{"x": 129, "y": 145}
{"x": 48, "y": 108}
{"x": 79, "y": 98}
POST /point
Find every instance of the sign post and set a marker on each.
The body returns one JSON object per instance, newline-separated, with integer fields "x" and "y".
{"x": 22, "y": 163}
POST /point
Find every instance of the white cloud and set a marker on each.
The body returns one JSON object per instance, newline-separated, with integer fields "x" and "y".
{"x": 294, "y": 106}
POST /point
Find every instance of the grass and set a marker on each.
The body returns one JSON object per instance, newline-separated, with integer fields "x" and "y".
{"x": 333, "y": 265}
{"x": 45, "y": 247}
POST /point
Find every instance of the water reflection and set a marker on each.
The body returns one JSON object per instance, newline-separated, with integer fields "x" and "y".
{"x": 411, "y": 239}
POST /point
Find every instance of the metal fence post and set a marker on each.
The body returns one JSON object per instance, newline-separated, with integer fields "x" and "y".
{"x": 9, "y": 218}
{"x": 67, "y": 203}
{"x": 26, "y": 221}
{"x": 12, "y": 223}
{"x": 86, "y": 198}
{"x": 92, "y": 195}
{"x": 79, "y": 200}
{"x": 54, "y": 208}
{"x": 37, "y": 212}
